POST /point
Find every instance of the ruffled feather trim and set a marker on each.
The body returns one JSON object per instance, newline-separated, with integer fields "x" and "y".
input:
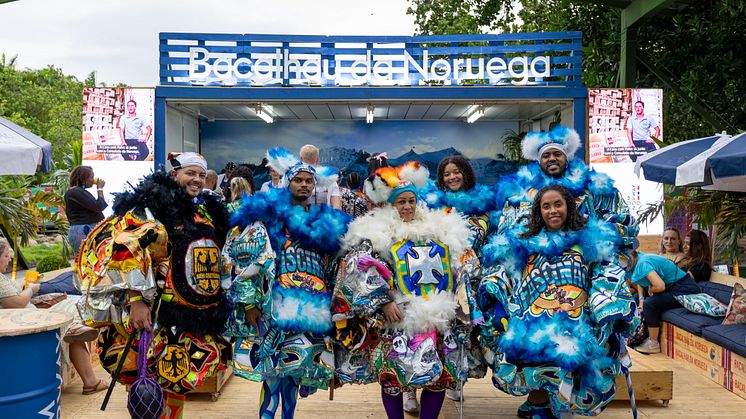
{"x": 598, "y": 241}
{"x": 383, "y": 227}
{"x": 477, "y": 201}
{"x": 317, "y": 227}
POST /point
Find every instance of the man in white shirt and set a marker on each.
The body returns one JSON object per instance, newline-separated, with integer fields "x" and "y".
{"x": 134, "y": 132}
{"x": 309, "y": 154}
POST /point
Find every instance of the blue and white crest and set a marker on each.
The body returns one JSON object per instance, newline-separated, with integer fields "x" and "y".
{"x": 422, "y": 267}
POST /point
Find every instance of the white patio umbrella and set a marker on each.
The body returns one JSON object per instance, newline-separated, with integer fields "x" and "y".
{"x": 21, "y": 151}
{"x": 717, "y": 162}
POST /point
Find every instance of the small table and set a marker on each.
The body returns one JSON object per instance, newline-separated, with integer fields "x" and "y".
{"x": 30, "y": 342}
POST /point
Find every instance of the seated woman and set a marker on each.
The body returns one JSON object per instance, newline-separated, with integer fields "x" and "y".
{"x": 556, "y": 309}
{"x": 671, "y": 245}
{"x": 697, "y": 259}
{"x": 12, "y": 296}
{"x": 664, "y": 281}
{"x": 402, "y": 304}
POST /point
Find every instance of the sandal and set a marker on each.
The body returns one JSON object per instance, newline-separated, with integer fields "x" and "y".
{"x": 101, "y": 385}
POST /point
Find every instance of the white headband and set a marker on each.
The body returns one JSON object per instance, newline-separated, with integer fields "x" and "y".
{"x": 189, "y": 159}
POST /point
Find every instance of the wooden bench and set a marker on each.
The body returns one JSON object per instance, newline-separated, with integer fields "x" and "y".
{"x": 649, "y": 380}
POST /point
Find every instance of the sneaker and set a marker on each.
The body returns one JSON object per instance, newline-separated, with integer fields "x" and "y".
{"x": 410, "y": 402}
{"x": 79, "y": 333}
{"x": 541, "y": 412}
{"x": 649, "y": 346}
{"x": 454, "y": 395}
{"x": 524, "y": 410}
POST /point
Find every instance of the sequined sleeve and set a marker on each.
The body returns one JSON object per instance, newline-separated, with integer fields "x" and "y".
{"x": 122, "y": 253}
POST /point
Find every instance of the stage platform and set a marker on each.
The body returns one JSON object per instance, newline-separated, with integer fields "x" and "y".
{"x": 694, "y": 396}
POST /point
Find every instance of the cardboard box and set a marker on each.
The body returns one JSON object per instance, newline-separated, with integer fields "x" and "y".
{"x": 738, "y": 385}
{"x": 704, "y": 366}
{"x": 694, "y": 344}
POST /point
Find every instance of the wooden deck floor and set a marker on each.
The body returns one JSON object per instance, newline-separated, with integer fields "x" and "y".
{"x": 694, "y": 396}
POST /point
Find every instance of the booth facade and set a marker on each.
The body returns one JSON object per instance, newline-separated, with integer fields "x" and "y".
{"x": 230, "y": 96}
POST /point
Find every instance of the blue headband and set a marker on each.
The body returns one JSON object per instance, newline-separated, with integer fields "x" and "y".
{"x": 300, "y": 167}
{"x": 409, "y": 187}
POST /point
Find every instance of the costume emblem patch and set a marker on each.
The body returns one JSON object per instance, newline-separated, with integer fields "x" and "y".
{"x": 203, "y": 266}
{"x": 174, "y": 363}
{"x": 422, "y": 267}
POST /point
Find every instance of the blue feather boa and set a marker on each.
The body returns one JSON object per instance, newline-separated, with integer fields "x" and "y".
{"x": 319, "y": 227}
{"x": 598, "y": 240}
{"x": 555, "y": 340}
{"x": 578, "y": 179}
{"x": 476, "y": 201}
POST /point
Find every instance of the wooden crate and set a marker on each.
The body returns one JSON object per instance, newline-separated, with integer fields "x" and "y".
{"x": 649, "y": 380}
{"x": 214, "y": 383}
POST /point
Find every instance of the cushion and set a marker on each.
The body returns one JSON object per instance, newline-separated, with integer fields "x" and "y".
{"x": 691, "y": 322}
{"x": 702, "y": 304}
{"x": 732, "y": 337}
{"x": 737, "y": 308}
{"x": 719, "y": 291}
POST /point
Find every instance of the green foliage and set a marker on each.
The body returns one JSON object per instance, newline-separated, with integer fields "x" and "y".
{"x": 726, "y": 211}
{"x": 46, "y": 102}
{"x": 51, "y": 263}
{"x": 33, "y": 254}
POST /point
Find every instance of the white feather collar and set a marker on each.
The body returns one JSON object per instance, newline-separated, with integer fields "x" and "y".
{"x": 383, "y": 227}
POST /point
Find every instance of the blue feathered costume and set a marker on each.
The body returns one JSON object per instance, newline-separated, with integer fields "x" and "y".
{"x": 282, "y": 257}
{"x": 556, "y": 312}
{"x": 594, "y": 192}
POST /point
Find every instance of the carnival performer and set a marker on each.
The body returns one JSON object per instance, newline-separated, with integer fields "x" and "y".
{"x": 553, "y": 163}
{"x": 155, "y": 264}
{"x": 557, "y": 309}
{"x": 553, "y": 154}
{"x": 401, "y": 303}
{"x": 456, "y": 189}
{"x": 281, "y": 251}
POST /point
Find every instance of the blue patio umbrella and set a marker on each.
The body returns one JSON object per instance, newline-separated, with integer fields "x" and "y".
{"x": 717, "y": 162}
{"x": 22, "y": 151}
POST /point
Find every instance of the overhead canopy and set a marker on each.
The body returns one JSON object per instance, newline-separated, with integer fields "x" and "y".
{"x": 717, "y": 162}
{"x": 22, "y": 151}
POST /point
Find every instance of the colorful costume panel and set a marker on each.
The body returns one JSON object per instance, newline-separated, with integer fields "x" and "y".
{"x": 556, "y": 314}
{"x": 166, "y": 245}
{"x": 281, "y": 257}
{"x": 418, "y": 266}
{"x": 475, "y": 205}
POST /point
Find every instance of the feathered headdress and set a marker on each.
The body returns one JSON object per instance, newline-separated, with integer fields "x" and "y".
{"x": 561, "y": 138}
{"x": 388, "y": 182}
{"x": 287, "y": 164}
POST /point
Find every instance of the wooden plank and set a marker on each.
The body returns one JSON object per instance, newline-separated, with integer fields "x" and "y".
{"x": 648, "y": 385}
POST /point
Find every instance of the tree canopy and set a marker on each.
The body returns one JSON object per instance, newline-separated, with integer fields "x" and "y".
{"x": 46, "y": 102}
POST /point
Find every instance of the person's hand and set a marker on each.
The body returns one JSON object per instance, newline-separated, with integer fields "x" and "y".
{"x": 252, "y": 315}
{"x": 34, "y": 287}
{"x": 392, "y": 313}
{"x": 100, "y": 183}
{"x": 139, "y": 315}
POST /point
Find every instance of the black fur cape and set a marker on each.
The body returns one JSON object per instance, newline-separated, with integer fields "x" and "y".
{"x": 175, "y": 209}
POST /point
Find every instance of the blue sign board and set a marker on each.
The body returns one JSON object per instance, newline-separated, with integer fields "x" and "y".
{"x": 525, "y": 59}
